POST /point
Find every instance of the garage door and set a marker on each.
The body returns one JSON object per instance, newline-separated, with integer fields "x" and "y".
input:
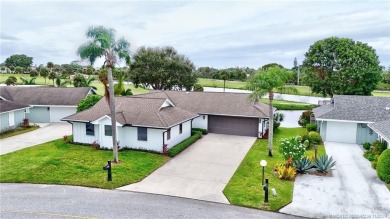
{"x": 344, "y": 132}
{"x": 58, "y": 113}
{"x": 233, "y": 125}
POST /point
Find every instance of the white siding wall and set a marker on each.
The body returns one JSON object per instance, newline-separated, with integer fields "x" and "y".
{"x": 79, "y": 134}
{"x": 57, "y": 113}
{"x": 176, "y": 137}
{"x": 128, "y": 137}
{"x": 199, "y": 122}
{"x": 344, "y": 132}
{"x": 106, "y": 141}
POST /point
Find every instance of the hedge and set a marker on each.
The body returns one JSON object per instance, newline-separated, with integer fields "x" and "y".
{"x": 382, "y": 166}
{"x": 195, "y": 135}
{"x": 204, "y": 131}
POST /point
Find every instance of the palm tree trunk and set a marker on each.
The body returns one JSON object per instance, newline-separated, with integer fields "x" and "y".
{"x": 271, "y": 123}
{"x": 224, "y": 83}
{"x": 112, "y": 110}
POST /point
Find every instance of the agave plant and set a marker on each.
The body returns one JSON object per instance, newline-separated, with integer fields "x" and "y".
{"x": 324, "y": 163}
{"x": 303, "y": 165}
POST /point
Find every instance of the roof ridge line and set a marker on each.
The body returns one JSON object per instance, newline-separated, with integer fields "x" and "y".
{"x": 161, "y": 119}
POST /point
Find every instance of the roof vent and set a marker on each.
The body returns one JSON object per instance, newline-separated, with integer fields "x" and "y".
{"x": 387, "y": 108}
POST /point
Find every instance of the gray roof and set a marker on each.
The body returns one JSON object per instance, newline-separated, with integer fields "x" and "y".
{"x": 136, "y": 112}
{"x": 355, "y": 108}
{"x": 6, "y": 106}
{"x": 382, "y": 128}
{"x": 213, "y": 103}
{"x": 44, "y": 95}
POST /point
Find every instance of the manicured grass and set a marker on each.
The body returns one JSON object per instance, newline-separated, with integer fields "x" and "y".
{"x": 97, "y": 83}
{"x": 57, "y": 162}
{"x": 17, "y": 131}
{"x": 289, "y": 105}
{"x": 245, "y": 188}
{"x": 381, "y": 93}
{"x": 206, "y": 82}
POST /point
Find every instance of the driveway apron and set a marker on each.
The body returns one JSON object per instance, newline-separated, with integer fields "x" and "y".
{"x": 199, "y": 172}
{"x": 47, "y": 132}
{"x": 353, "y": 190}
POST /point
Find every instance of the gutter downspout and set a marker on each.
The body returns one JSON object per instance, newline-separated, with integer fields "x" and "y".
{"x": 163, "y": 146}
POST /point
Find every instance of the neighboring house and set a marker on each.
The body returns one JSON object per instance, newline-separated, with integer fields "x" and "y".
{"x": 383, "y": 130}
{"x": 48, "y": 104}
{"x": 11, "y": 114}
{"x": 160, "y": 118}
{"x": 352, "y": 119}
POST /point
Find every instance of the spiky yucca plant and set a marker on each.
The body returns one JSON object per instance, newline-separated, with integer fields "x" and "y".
{"x": 324, "y": 163}
{"x": 303, "y": 165}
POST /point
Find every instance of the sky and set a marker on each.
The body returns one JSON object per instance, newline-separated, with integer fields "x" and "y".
{"x": 218, "y": 34}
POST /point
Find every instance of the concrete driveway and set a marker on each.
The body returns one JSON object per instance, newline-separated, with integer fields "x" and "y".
{"x": 199, "y": 172}
{"x": 354, "y": 190}
{"x": 47, "y": 132}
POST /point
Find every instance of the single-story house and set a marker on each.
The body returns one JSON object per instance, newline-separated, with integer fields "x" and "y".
{"x": 11, "y": 114}
{"x": 160, "y": 118}
{"x": 383, "y": 130}
{"x": 350, "y": 119}
{"x": 48, "y": 104}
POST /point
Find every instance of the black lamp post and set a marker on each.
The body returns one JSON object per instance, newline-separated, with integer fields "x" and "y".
{"x": 263, "y": 163}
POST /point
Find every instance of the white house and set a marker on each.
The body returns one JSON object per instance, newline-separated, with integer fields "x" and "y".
{"x": 350, "y": 119}
{"x": 48, "y": 104}
{"x": 161, "y": 118}
{"x": 11, "y": 115}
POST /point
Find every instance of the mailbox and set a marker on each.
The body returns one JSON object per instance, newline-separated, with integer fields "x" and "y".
{"x": 108, "y": 168}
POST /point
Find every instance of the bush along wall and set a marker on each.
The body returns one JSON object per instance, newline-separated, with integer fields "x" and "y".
{"x": 175, "y": 150}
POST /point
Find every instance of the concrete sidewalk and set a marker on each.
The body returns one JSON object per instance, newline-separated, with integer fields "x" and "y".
{"x": 353, "y": 191}
{"x": 47, "y": 132}
{"x": 201, "y": 171}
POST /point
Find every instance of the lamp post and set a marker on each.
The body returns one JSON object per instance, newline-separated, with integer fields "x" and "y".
{"x": 263, "y": 163}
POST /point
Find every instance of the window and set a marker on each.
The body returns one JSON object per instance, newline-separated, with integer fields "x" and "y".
{"x": 107, "y": 130}
{"x": 180, "y": 128}
{"x": 204, "y": 117}
{"x": 142, "y": 134}
{"x": 169, "y": 134}
{"x": 11, "y": 119}
{"x": 89, "y": 129}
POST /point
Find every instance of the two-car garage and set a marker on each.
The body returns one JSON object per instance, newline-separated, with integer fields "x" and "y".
{"x": 230, "y": 125}
{"x": 47, "y": 114}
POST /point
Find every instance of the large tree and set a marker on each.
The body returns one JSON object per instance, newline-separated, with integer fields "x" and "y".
{"x": 268, "y": 82}
{"x": 102, "y": 43}
{"x": 341, "y": 66}
{"x": 19, "y": 60}
{"x": 162, "y": 69}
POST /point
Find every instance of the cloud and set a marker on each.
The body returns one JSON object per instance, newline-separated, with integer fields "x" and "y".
{"x": 211, "y": 33}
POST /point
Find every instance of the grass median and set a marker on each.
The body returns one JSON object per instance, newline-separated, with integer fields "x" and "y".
{"x": 57, "y": 162}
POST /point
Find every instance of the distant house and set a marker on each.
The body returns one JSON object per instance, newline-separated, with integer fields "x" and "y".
{"x": 48, "y": 104}
{"x": 354, "y": 119}
{"x": 160, "y": 118}
{"x": 11, "y": 114}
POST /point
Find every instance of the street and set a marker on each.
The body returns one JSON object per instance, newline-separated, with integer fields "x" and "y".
{"x": 56, "y": 201}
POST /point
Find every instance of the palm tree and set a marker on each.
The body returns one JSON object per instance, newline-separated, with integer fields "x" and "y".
{"x": 61, "y": 83}
{"x": 81, "y": 81}
{"x": 26, "y": 81}
{"x": 119, "y": 88}
{"x": 50, "y": 66}
{"x": 224, "y": 75}
{"x": 268, "y": 81}
{"x": 102, "y": 43}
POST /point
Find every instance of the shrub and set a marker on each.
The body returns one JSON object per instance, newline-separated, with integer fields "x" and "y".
{"x": 303, "y": 165}
{"x": 278, "y": 118}
{"x": 314, "y": 138}
{"x": 198, "y": 87}
{"x": 203, "y": 131}
{"x": 378, "y": 147}
{"x": 382, "y": 167}
{"x": 11, "y": 80}
{"x": 367, "y": 146}
{"x": 324, "y": 163}
{"x": 88, "y": 102}
{"x": 184, "y": 144}
{"x": 311, "y": 127}
{"x": 293, "y": 148}
{"x": 374, "y": 164}
{"x": 304, "y": 119}
{"x": 285, "y": 172}
{"x": 33, "y": 73}
{"x": 369, "y": 155}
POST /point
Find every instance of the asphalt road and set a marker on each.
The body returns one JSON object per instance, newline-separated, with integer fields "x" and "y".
{"x": 55, "y": 201}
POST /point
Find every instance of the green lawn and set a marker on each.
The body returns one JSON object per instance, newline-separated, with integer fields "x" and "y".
{"x": 57, "y": 162}
{"x": 245, "y": 189}
{"x": 97, "y": 83}
{"x": 289, "y": 105}
{"x": 17, "y": 131}
{"x": 303, "y": 90}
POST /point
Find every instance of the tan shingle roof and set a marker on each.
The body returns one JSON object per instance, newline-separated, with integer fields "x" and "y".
{"x": 44, "y": 95}
{"x": 6, "y": 106}
{"x": 136, "y": 112}
{"x": 214, "y": 103}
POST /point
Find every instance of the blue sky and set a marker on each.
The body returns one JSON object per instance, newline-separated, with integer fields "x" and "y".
{"x": 211, "y": 33}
